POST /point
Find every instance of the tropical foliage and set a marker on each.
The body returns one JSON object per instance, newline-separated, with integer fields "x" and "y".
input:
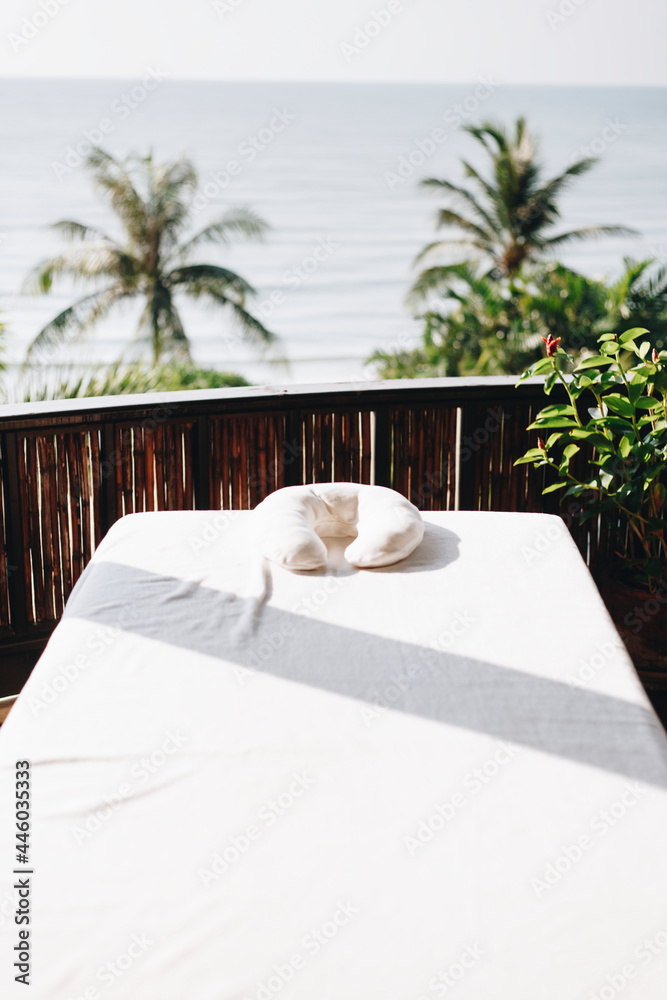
{"x": 491, "y": 327}
{"x": 119, "y": 379}
{"x": 155, "y": 261}
{"x": 486, "y": 314}
{"x": 507, "y": 220}
{"x": 624, "y": 475}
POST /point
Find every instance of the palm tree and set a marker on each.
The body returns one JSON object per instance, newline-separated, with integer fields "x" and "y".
{"x": 508, "y": 221}
{"x": 639, "y": 298}
{"x": 153, "y": 262}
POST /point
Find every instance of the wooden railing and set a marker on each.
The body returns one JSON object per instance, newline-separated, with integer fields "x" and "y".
{"x": 71, "y": 468}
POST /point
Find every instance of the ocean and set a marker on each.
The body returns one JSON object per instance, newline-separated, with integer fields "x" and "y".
{"x": 334, "y": 170}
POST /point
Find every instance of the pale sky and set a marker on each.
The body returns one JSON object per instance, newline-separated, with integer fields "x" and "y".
{"x": 520, "y": 41}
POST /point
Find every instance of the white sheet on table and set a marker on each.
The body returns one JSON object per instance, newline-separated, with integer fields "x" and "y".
{"x": 264, "y": 675}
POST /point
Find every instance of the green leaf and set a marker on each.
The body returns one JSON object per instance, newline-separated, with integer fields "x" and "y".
{"x": 611, "y": 347}
{"x": 545, "y": 365}
{"x": 594, "y": 362}
{"x": 526, "y": 459}
{"x": 557, "y": 410}
{"x": 550, "y": 423}
{"x": 592, "y": 438}
{"x": 615, "y": 424}
{"x": 629, "y": 335}
{"x": 550, "y": 382}
{"x": 635, "y": 388}
{"x": 551, "y": 440}
{"x": 644, "y": 348}
{"x": 624, "y": 447}
{"x": 648, "y": 403}
{"x": 570, "y": 451}
{"x": 553, "y": 488}
{"x": 619, "y": 404}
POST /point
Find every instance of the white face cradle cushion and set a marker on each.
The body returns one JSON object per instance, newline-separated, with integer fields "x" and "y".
{"x": 290, "y": 522}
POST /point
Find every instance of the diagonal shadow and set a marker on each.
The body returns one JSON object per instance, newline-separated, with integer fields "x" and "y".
{"x": 579, "y": 724}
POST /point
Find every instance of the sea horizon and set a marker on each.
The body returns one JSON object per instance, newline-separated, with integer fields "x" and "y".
{"x": 324, "y": 179}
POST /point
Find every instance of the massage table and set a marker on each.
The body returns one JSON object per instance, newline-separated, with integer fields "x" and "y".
{"x": 439, "y": 778}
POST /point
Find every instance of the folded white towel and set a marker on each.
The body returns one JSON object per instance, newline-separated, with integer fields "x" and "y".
{"x": 292, "y": 522}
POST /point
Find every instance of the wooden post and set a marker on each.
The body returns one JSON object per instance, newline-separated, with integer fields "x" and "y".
{"x": 18, "y": 561}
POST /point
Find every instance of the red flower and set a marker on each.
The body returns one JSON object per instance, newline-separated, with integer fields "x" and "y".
{"x": 656, "y": 356}
{"x": 541, "y": 445}
{"x": 552, "y": 344}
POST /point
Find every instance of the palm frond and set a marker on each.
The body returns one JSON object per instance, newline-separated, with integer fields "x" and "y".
{"x": 241, "y": 222}
{"x": 252, "y": 328}
{"x": 446, "y": 217}
{"x": 82, "y": 264}
{"x": 197, "y": 279}
{"x": 75, "y": 321}
{"x": 587, "y": 233}
{"x": 464, "y": 195}
{"x": 488, "y": 189}
{"x": 562, "y": 181}
{"x": 72, "y": 230}
{"x": 169, "y": 197}
{"x": 113, "y": 178}
{"x": 438, "y": 279}
{"x": 433, "y": 249}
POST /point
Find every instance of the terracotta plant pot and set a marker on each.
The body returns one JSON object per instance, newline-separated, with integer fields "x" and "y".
{"x": 641, "y": 619}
